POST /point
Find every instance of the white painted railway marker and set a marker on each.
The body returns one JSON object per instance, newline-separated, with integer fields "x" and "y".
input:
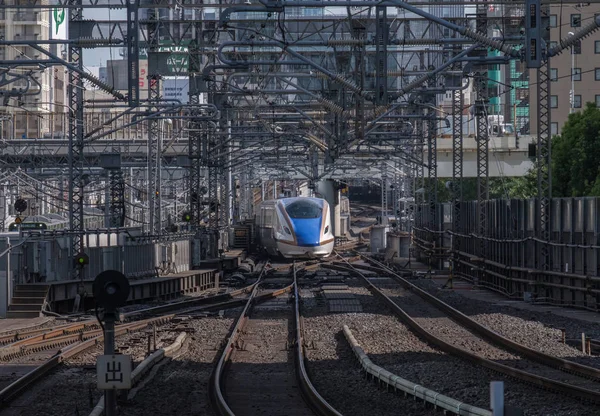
{"x": 114, "y": 372}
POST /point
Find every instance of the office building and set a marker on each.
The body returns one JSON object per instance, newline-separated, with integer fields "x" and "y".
{"x": 575, "y": 73}
{"x": 32, "y": 114}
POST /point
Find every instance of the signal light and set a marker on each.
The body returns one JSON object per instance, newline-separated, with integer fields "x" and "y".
{"x": 81, "y": 259}
{"x": 20, "y": 205}
{"x": 111, "y": 289}
{"x": 187, "y": 217}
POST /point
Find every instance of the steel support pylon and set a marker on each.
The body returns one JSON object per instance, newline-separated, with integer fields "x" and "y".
{"x": 244, "y": 202}
{"x": 76, "y": 158}
{"x": 419, "y": 175}
{"x": 381, "y": 37}
{"x": 359, "y": 33}
{"x": 384, "y": 194}
{"x": 481, "y": 113}
{"x": 117, "y": 198}
{"x": 432, "y": 192}
{"x": 543, "y": 160}
{"x": 397, "y": 192}
{"x": 407, "y": 195}
{"x": 154, "y": 156}
{"x": 457, "y": 157}
{"x": 196, "y": 129}
{"x": 544, "y": 226}
{"x": 133, "y": 52}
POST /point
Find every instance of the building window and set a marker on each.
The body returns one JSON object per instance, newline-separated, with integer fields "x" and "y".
{"x": 553, "y": 129}
{"x": 519, "y": 66}
{"x": 576, "y": 49}
{"x": 576, "y": 74}
{"x": 598, "y": 101}
{"x": 597, "y": 46}
{"x": 554, "y": 101}
{"x": 553, "y": 74}
{"x": 553, "y": 20}
{"x": 575, "y": 20}
{"x": 553, "y": 44}
{"x": 597, "y": 74}
{"x": 577, "y": 101}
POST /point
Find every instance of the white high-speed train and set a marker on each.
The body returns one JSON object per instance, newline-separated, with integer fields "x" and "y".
{"x": 295, "y": 227}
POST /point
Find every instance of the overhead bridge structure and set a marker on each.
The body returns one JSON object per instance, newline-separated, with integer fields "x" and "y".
{"x": 509, "y": 156}
{"x": 213, "y": 103}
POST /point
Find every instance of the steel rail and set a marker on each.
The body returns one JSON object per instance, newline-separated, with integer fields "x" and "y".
{"x": 220, "y": 299}
{"x": 314, "y": 264}
{"x": 45, "y": 333}
{"x": 490, "y": 335}
{"x": 11, "y": 391}
{"x": 35, "y": 344}
{"x": 540, "y": 381}
{"x": 44, "y": 338}
{"x": 310, "y": 394}
{"x": 216, "y": 379}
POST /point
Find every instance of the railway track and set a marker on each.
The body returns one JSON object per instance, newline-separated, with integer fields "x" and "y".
{"x": 455, "y": 333}
{"x": 45, "y": 348}
{"x": 52, "y": 357}
{"x": 35, "y": 352}
{"x": 54, "y": 338}
{"x": 17, "y": 336}
{"x": 19, "y": 343}
{"x": 228, "y": 299}
{"x": 261, "y": 370}
{"x": 490, "y": 335}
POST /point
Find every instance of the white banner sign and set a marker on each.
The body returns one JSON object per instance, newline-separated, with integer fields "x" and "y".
{"x": 176, "y": 89}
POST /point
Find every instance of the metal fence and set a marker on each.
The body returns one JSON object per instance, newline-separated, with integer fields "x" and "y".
{"x": 44, "y": 258}
{"x": 506, "y": 259}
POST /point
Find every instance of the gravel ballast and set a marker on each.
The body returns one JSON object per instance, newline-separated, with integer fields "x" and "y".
{"x": 537, "y": 330}
{"x": 392, "y": 346}
{"x": 71, "y": 389}
{"x": 333, "y": 369}
{"x": 180, "y": 386}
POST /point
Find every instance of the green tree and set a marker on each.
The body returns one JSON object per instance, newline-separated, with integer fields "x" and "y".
{"x": 499, "y": 188}
{"x": 469, "y": 189}
{"x": 576, "y": 155}
{"x": 519, "y": 187}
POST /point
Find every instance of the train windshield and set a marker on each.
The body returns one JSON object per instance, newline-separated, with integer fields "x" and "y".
{"x": 303, "y": 209}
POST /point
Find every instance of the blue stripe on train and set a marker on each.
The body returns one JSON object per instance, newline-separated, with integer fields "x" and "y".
{"x": 308, "y": 231}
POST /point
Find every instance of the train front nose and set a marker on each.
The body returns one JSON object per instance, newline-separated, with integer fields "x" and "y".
{"x": 308, "y": 232}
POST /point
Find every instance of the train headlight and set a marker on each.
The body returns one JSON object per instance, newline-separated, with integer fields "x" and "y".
{"x": 287, "y": 230}
{"x": 326, "y": 230}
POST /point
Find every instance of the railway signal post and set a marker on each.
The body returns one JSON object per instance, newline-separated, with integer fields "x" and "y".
{"x": 111, "y": 290}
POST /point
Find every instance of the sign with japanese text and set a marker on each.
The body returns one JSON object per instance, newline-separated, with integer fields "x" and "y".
{"x": 114, "y": 372}
{"x": 176, "y": 89}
